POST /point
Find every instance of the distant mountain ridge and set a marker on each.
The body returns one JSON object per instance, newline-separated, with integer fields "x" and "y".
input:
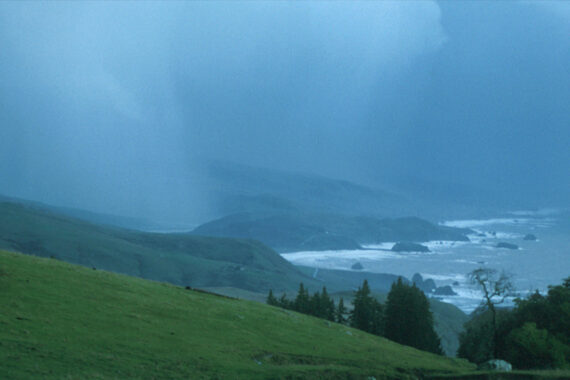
{"x": 239, "y": 188}
{"x": 288, "y": 232}
{"x": 236, "y": 188}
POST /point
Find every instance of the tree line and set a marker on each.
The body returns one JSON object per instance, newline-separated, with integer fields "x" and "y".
{"x": 535, "y": 334}
{"x": 405, "y": 317}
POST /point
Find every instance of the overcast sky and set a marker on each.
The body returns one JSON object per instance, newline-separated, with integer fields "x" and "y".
{"x": 112, "y": 106}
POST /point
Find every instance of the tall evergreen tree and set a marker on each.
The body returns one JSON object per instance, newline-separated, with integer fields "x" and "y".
{"x": 327, "y": 309}
{"x": 367, "y": 313}
{"x": 377, "y": 322}
{"x": 284, "y": 302}
{"x": 315, "y": 305}
{"x": 302, "y": 302}
{"x": 408, "y": 319}
{"x": 271, "y": 300}
{"x": 340, "y": 312}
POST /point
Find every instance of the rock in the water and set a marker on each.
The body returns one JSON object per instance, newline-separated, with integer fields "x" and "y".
{"x": 409, "y": 247}
{"x": 495, "y": 365}
{"x": 444, "y": 291}
{"x": 417, "y": 279}
{"x": 427, "y": 286}
{"x": 507, "y": 245}
{"x": 357, "y": 266}
{"x": 529, "y": 237}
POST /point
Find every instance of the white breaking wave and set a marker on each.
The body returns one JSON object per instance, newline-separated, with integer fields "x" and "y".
{"x": 469, "y": 223}
{"x": 444, "y": 277}
{"x": 385, "y": 245}
{"x": 338, "y": 259}
{"x": 444, "y": 245}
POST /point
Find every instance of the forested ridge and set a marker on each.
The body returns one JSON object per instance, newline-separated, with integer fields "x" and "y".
{"x": 404, "y": 318}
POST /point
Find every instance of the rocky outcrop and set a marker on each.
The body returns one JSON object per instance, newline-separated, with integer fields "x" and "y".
{"x": 427, "y": 285}
{"x": 409, "y": 247}
{"x": 357, "y": 266}
{"x": 507, "y": 245}
{"x": 444, "y": 291}
{"x": 530, "y": 237}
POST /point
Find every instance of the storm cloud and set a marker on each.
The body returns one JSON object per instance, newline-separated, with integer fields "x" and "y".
{"x": 113, "y": 106}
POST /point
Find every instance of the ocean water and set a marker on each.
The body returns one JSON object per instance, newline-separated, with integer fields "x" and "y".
{"x": 534, "y": 266}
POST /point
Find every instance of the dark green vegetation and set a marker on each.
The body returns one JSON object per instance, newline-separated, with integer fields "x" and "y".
{"x": 409, "y": 319}
{"x": 367, "y": 313}
{"x": 64, "y": 321}
{"x": 535, "y": 334}
{"x": 449, "y": 320}
{"x": 293, "y": 231}
{"x": 319, "y": 305}
{"x": 405, "y": 318}
{"x": 496, "y": 287}
{"x": 176, "y": 258}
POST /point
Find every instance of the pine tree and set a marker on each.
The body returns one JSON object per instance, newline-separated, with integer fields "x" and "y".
{"x": 326, "y": 308}
{"x": 367, "y": 314}
{"x": 284, "y": 302}
{"x": 315, "y": 305}
{"x": 377, "y": 318}
{"x": 340, "y": 312}
{"x": 271, "y": 300}
{"x": 302, "y": 301}
{"x": 408, "y": 319}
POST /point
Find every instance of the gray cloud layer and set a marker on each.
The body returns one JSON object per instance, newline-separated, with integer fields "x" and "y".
{"x": 110, "y": 105}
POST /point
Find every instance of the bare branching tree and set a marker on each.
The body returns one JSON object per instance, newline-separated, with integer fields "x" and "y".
{"x": 496, "y": 288}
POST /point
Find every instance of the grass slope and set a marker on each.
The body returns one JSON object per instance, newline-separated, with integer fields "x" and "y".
{"x": 177, "y": 258}
{"x": 64, "y": 321}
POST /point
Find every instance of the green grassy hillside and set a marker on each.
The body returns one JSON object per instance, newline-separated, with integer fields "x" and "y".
{"x": 64, "y": 321}
{"x": 177, "y": 258}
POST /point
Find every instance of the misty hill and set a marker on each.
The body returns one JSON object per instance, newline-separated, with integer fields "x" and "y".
{"x": 237, "y": 188}
{"x": 240, "y": 188}
{"x": 177, "y": 258}
{"x": 66, "y": 321}
{"x": 292, "y": 231}
{"x": 90, "y": 216}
